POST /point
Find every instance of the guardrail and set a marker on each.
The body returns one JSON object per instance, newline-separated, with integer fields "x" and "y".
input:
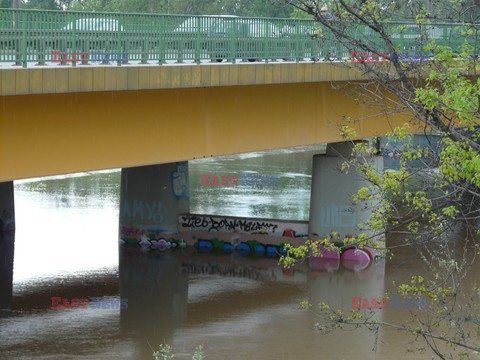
{"x": 68, "y": 37}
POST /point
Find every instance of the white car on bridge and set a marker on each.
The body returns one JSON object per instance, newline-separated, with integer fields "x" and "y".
{"x": 94, "y": 24}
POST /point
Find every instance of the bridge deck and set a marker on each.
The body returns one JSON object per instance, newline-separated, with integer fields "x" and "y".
{"x": 60, "y": 79}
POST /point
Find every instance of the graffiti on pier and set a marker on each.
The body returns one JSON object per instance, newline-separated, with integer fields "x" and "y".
{"x": 143, "y": 210}
{"x": 133, "y": 232}
{"x": 293, "y": 234}
{"x": 222, "y": 224}
{"x": 338, "y": 216}
{"x": 149, "y": 238}
{"x": 179, "y": 181}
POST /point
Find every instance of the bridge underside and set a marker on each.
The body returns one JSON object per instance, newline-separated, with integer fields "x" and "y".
{"x": 52, "y": 134}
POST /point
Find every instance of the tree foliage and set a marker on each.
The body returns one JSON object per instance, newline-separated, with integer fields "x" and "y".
{"x": 41, "y": 4}
{"x": 267, "y": 8}
{"x": 264, "y": 8}
{"x": 433, "y": 197}
{"x": 165, "y": 352}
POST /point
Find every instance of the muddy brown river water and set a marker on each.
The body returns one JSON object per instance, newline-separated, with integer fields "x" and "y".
{"x": 236, "y": 307}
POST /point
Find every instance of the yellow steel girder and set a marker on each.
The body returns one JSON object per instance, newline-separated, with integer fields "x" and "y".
{"x": 64, "y": 133}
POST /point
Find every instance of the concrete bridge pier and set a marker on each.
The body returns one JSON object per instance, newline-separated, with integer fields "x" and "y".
{"x": 331, "y": 207}
{"x": 151, "y": 200}
{"x": 7, "y": 240}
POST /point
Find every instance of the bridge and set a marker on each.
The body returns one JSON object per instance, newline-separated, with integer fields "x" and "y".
{"x": 180, "y": 88}
{"x": 83, "y": 81}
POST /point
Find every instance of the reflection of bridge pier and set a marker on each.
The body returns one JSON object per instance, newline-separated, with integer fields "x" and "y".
{"x": 337, "y": 289}
{"x": 157, "y": 293}
{"x": 7, "y": 238}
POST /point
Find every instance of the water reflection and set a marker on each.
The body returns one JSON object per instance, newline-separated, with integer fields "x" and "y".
{"x": 237, "y": 307}
{"x": 65, "y": 225}
{"x": 157, "y": 294}
{"x": 172, "y": 297}
{"x": 289, "y": 200}
{"x": 85, "y": 188}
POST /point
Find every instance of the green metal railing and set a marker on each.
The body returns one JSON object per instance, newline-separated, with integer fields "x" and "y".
{"x": 67, "y": 37}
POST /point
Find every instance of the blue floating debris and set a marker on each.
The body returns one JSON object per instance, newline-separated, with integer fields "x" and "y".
{"x": 259, "y": 250}
{"x": 272, "y": 251}
{"x": 227, "y": 248}
{"x": 243, "y": 248}
{"x": 205, "y": 246}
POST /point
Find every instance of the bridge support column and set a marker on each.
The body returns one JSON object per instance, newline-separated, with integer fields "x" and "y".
{"x": 7, "y": 240}
{"x": 331, "y": 208}
{"x": 152, "y": 198}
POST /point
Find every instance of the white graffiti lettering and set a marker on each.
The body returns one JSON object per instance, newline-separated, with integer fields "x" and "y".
{"x": 143, "y": 210}
{"x": 337, "y": 216}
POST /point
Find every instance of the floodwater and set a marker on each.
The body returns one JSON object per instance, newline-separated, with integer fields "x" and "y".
{"x": 236, "y": 307}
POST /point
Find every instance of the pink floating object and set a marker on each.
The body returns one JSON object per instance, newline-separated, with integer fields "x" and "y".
{"x": 330, "y": 260}
{"x": 163, "y": 245}
{"x": 355, "y": 259}
{"x": 328, "y": 255}
{"x": 322, "y": 264}
{"x": 370, "y": 252}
